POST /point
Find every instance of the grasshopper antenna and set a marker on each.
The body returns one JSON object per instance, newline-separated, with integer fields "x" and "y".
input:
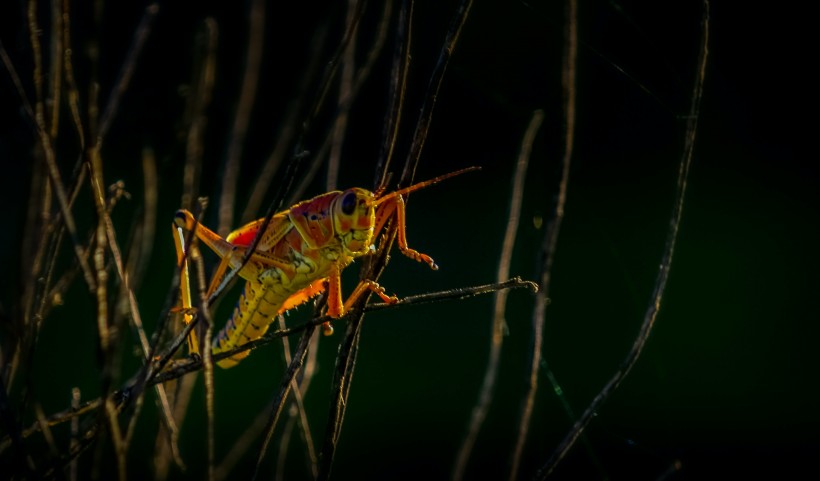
{"x": 424, "y": 184}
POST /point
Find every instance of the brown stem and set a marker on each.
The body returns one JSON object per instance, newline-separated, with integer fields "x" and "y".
{"x": 284, "y": 389}
{"x": 499, "y": 323}
{"x": 663, "y": 272}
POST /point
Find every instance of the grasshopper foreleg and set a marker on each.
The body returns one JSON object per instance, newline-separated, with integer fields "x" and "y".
{"x": 397, "y": 205}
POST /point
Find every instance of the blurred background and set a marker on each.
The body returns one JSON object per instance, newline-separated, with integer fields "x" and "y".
{"x": 725, "y": 386}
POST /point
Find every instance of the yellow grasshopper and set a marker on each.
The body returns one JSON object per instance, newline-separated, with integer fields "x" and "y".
{"x": 300, "y": 254}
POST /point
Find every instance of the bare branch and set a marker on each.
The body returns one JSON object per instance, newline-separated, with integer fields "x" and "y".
{"x": 436, "y": 79}
{"x": 239, "y": 129}
{"x": 663, "y": 271}
{"x": 183, "y": 367}
{"x": 284, "y": 389}
{"x": 551, "y": 235}
{"x": 499, "y": 323}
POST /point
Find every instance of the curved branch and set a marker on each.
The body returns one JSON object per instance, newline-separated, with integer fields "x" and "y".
{"x": 663, "y": 272}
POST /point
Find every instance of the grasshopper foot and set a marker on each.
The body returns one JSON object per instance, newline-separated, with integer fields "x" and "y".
{"x": 327, "y": 329}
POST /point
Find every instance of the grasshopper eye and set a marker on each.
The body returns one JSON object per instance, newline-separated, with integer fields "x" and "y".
{"x": 349, "y": 203}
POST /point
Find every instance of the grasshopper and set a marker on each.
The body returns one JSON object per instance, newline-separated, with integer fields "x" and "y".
{"x": 301, "y": 253}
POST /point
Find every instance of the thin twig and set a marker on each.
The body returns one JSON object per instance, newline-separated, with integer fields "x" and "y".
{"x": 162, "y": 398}
{"x": 186, "y": 366}
{"x": 433, "y": 87}
{"x": 15, "y": 436}
{"x": 71, "y": 84}
{"x": 297, "y": 412}
{"x": 46, "y": 430}
{"x": 207, "y": 363}
{"x": 398, "y": 87}
{"x": 331, "y": 68}
{"x": 499, "y": 323}
{"x": 197, "y": 107}
{"x": 344, "y": 103}
{"x": 196, "y": 119}
{"x": 75, "y": 429}
{"x": 53, "y": 171}
{"x": 284, "y": 389}
{"x": 127, "y": 71}
{"x": 37, "y": 53}
{"x": 347, "y": 354}
{"x": 345, "y": 362}
{"x": 189, "y": 365}
{"x": 239, "y": 129}
{"x": 298, "y": 192}
{"x": 240, "y": 446}
{"x": 550, "y": 241}
{"x": 53, "y": 420}
{"x": 55, "y": 79}
{"x": 287, "y": 131}
{"x": 663, "y": 271}
{"x": 105, "y": 332}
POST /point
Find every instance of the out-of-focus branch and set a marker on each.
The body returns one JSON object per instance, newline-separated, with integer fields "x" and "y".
{"x": 499, "y": 323}
{"x": 663, "y": 272}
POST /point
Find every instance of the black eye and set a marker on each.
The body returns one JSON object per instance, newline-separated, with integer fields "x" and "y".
{"x": 349, "y": 203}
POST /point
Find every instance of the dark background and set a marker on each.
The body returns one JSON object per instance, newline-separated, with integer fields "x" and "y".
{"x": 726, "y": 386}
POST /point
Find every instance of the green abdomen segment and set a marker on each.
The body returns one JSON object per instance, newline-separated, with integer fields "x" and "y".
{"x": 255, "y": 310}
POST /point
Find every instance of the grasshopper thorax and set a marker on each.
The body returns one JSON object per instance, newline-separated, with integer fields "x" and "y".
{"x": 354, "y": 219}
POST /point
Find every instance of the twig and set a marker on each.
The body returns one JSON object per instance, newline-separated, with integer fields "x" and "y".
{"x": 127, "y": 71}
{"x": 284, "y": 390}
{"x": 348, "y": 352}
{"x": 53, "y": 171}
{"x": 550, "y": 241}
{"x": 331, "y": 68}
{"x": 186, "y": 366}
{"x": 71, "y": 84}
{"x": 46, "y": 430}
{"x": 53, "y": 420}
{"x": 207, "y": 362}
{"x": 499, "y": 323}
{"x": 75, "y": 429}
{"x": 149, "y": 217}
{"x": 342, "y": 377}
{"x": 108, "y": 411}
{"x": 197, "y": 106}
{"x": 196, "y": 120}
{"x": 286, "y": 134}
{"x": 398, "y": 86}
{"x": 189, "y": 365}
{"x": 15, "y": 436}
{"x": 663, "y": 271}
{"x": 240, "y": 446}
{"x": 147, "y": 349}
{"x": 436, "y": 79}
{"x": 297, "y": 412}
{"x": 55, "y": 79}
{"x": 345, "y": 101}
{"x": 37, "y": 53}
{"x": 239, "y": 129}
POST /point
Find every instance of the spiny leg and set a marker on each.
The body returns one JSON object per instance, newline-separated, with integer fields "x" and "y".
{"x": 185, "y": 289}
{"x": 228, "y": 252}
{"x": 398, "y": 204}
{"x": 372, "y": 286}
{"x": 337, "y": 309}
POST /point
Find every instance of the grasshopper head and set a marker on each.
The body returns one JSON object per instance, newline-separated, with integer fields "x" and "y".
{"x": 353, "y": 220}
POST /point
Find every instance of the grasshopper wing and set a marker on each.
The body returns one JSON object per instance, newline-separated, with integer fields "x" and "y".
{"x": 278, "y": 227}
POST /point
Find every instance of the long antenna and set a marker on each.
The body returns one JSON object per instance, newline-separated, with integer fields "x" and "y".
{"x": 423, "y": 184}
